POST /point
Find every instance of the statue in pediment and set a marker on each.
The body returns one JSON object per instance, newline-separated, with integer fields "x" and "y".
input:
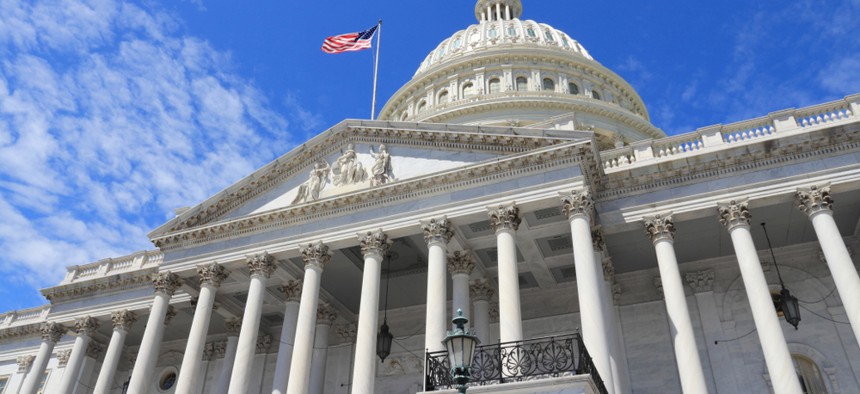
{"x": 381, "y": 170}
{"x": 310, "y": 190}
{"x": 347, "y": 170}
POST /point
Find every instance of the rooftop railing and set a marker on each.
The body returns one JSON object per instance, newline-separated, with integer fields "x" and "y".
{"x": 540, "y": 358}
{"x": 111, "y": 266}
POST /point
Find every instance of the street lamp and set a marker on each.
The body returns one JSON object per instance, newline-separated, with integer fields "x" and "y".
{"x": 788, "y": 302}
{"x": 461, "y": 348}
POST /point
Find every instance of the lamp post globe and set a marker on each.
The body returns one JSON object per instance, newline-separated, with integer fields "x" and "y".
{"x": 461, "y": 348}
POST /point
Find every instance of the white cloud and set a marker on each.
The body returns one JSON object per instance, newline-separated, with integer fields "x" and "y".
{"x": 111, "y": 117}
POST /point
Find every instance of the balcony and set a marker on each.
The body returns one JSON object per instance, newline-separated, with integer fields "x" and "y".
{"x": 559, "y": 363}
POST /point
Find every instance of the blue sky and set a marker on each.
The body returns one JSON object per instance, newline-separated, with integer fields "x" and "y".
{"x": 114, "y": 113}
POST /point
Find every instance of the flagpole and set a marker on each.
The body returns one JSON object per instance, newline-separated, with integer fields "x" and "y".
{"x": 376, "y": 70}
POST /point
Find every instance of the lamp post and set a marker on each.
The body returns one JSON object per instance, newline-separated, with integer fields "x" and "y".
{"x": 461, "y": 348}
{"x": 790, "y": 306}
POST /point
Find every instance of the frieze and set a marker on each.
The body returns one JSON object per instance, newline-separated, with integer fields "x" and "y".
{"x": 529, "y": 162}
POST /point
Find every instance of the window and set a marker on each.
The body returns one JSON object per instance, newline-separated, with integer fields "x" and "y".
{"x": 512, "y": 31}
{"x": 809, "y": 374}
{"x": 548, "y": 35}
{"x": 458, "y": 42}
{"x": 495, "y": 85}
{"x": 167, "y": 381}
{"x": 548, "y": 84}
{"x": 468, "y": 89}
{"x": 422, "y": 106}
{"x": 493, "y": 33}
{"x": 443, "y": 97}
{"x": 4, "y": 381}
{"x": 595, "y": 95}
{"x": 572, "y": 88}
{"x": 531, "y": 32}
{"x": 522, "y": 84}
{"x": 565, "y": 42}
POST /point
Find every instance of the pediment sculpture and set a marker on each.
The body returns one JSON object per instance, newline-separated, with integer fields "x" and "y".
{"x": 346, "y": 170}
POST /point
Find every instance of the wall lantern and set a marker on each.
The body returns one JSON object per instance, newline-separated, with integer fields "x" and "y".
{"x": 788, "y": 302}
{"x": 461, "y": 348}
{"x": 384, "y": 337}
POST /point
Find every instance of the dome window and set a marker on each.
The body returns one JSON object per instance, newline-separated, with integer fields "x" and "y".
{"x": 595, "y": 95}
{"x": 522, "y": 84}
{"x": 531, "y": 32}
{"x": 422, "y": 106}
{"x": 495, "y": 85}
{"x": 512, "y": 31}
{"x": 458, "y": 42}
{"x": 493, "y": 33}
{"x": 548, "y": 35}
{"x": 548, "y": 84}
{"x": 565, "y": 42}
{"x": 572, "y": 88}
{"x": 443, "y": 97}
{"x": 468, "y": 89}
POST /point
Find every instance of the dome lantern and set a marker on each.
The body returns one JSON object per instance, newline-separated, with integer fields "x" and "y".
{"x": 498, "y": 10}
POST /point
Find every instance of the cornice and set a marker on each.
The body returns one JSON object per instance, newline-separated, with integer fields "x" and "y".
{"x": 747, "y": 158}
{"x": 539, "y": 160}
{"x": 77, "y": 290}
{"x": 488, "y": 139}
{"x": 33, "y": 330}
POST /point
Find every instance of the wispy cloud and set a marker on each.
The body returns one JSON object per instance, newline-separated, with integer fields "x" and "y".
{"x": 111, "y": 117}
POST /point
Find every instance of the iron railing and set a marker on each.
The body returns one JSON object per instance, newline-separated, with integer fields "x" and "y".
{"x": 531, "y": 359}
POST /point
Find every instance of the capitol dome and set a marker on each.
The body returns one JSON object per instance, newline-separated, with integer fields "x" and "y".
{"x": 508, "y": 71}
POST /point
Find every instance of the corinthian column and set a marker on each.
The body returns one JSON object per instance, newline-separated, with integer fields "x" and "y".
{"x": 437, "y": 233}
{"x": 736, "y": 217}
{"x": 165, "y": 284}
{"x": 374, "y": 245}
{"x": 661, "y": 230}
{"x": 578, "y": 207}
{"x": 506, "y": 221}
{"x": 481, "y": 292}
{"x": 461, "y": 265}
{"x": 122, "y": 321}
{"x": 84, "y": 327}
{"x": 261, "y": 266}
{"x": 51, "y": 334}
{"x": 817, "y": 203}
{"x": 211, "y": 276}
{"x": 233, "y": 327}
{"x": 326, "y": 316}
{"x": 316, "y": 256}
{"x": 293, "y": 292}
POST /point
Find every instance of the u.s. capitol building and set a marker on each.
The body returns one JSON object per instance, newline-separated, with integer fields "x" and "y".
{"x": 514, "y": 178}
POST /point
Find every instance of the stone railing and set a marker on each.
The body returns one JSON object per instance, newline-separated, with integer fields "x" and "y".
{"x": 111, "y": 266}
{"x": 25, "y": 316}
{"x": 723, "y": 136}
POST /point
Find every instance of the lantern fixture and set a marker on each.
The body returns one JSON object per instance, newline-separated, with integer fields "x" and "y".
{"x": 461, "y": 349}
{"x": 384, "y": 337}
{"x": 788, "y": 302}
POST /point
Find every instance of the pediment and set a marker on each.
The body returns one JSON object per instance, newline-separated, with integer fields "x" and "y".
{"x": 350, "y": 158}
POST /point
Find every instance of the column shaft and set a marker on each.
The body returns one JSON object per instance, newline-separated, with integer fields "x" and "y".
{"x": 686, "y": 350}
{"x": 319, "y": 359}
{"x": 31, "y": 381}
{"x": 841, "y": 267}
{"x": 73, "y": 367}
{"x": 285, "y": 350}
{"x": 481, "y": 320}
{"x": 510, "y": 314}
{"x": 192, "y": 360}
{"x": 227, "y": 368}
{"x": 364, "y": 368}
{"x": 436, "y": 320}
{"x": 243, "y": 367}
{"x": 111, "y": 361}
{"x": 300, "y": 370}
{"x": 147, "y": 356}
{"x": 615, "y": 364}
{"x": 460, "y": 295}
{"x": 776, "y": 354}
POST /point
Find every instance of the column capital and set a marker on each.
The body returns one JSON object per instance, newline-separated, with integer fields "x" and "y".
{"x": 166, "y": 283}
{"x": 217, "y": 349}
{"x": 261, "y": 264}
{"x": 264, "y": 343}
{"x": 123, "y": 320}
{"x": 440, "y": 230}
{"x": 577, "y": 203}
{"x": 233, "y": 326}
{"x": 24, "y": 362}
{"x": 326, "y": 314}
{"x": 347, "y": 331}
{"x": 292, "y": 290}
{"x": 701, "y": 281}
{"x": 63, "y": 357}
{"x": 169, "y": 315}
{"x": 597, "y": 242}
{"x": 53, "y": 332}
{"x": 608, "y": 269}
{"x": 374, "y": 242}
{"x": 481, "y": 290}
{"x": 316, "y": 255}
{"x": 659, "y": 227}
{"x": 86, "y": 325}
{"x": 505, "y": 217}
{"x": 461, "y": 262}
{"x": 814, "y": 199}
{"x": 212, "y": 274}
{"x": 734, "y": 213}
{"x": 658, "y": 284}
{"x": 94, "y": 349}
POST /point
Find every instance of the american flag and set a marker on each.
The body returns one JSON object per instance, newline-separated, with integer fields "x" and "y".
{"x": 349, "y": 42}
